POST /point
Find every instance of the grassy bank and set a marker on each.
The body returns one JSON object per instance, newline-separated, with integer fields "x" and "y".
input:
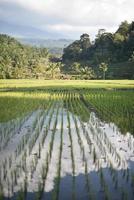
{"x": 68, "y": 84}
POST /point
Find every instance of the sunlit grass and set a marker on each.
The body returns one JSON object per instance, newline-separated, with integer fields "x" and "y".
{"x": 16, "y": 104}
{"x": 70, "y": 84}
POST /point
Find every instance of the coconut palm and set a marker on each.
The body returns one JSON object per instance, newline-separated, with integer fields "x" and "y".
{"x": 103, "y": 67}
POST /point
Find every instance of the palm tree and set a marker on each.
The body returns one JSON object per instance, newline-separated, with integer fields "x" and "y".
{"x": 104, "y": 67}
{"x": 53, "y": 68}
{"x": 85, "y": 71}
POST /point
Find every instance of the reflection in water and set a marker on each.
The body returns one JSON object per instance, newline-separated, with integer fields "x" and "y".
{"x": 61, "y": 148}
{"x": 113, "y": 106}
{"x": 60, "y": 153}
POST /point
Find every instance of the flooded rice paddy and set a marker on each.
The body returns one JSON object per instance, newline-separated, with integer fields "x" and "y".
{"x": 67, "y": 145}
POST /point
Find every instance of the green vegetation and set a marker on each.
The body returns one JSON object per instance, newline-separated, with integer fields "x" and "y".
{"x": 28, "y": 101}
{"x": 58, "y": 133}
{"x": 111, "y": 48}
{"x": 113, "y": 106}
{"x": 71, "y": 138}
{"x": 31, "y": 94}
{"x": 104, "y": 68}
{"x": 82, "y": 59}
{"x": 20, "y": 61}
{"x": 63, "y": 84}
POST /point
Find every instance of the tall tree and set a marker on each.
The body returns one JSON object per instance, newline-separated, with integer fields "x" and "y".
{"x": 54, "y": 69}
{"x": 103, "y": 67}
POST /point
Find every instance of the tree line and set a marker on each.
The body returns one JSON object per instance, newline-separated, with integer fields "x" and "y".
{"x": 110, "y": 56}
{"x": 23, "y": 61}
{"x": 107, "y": 49}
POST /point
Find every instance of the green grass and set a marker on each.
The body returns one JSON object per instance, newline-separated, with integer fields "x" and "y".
{"x": 17, "y": 104}
{"x": 64, "y": 84}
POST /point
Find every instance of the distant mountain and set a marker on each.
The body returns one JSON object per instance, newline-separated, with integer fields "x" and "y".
{"x": 48, "y": 43}
{"x": 54, "y": 46}
{"x": 35, "y": 37}
{"x": 26, "y": 31}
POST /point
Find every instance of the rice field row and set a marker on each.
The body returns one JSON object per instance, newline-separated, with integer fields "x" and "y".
{"x": 67, "y": 145}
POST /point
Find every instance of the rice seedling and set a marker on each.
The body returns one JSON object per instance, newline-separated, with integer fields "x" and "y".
{"x": 55, "y": 195}
{"x": 98, "y": 124}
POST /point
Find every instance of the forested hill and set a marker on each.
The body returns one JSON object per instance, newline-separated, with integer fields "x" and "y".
{"x": 83, "y": 59}
{"x": 115, "y": 49}
{"x": 21, "y": 61}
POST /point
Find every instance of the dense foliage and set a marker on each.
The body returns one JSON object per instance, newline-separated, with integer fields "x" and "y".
{"x": 107, "y": 48}
{"x": 21, "y": 61}
{"x": 110, "y": 56}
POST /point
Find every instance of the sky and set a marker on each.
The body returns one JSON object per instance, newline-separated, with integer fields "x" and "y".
{"x": 63, "y": 18}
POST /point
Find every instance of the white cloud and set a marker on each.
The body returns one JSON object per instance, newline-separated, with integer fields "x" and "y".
{"x": 75, "y": 16}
